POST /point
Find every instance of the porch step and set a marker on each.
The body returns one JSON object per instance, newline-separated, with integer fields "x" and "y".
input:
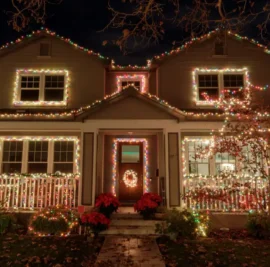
{"x": 129, "y": 230}
{"x": 133, "y": 222}
{"x": 132, "y": 216}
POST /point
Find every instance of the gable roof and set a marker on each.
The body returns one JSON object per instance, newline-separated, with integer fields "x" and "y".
{"x": 133, "y": 93}
{"x": 45, "y": 32}
{"x": 156, "y": 60}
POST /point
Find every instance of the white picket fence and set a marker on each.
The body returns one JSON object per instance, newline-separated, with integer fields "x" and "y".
{"x": 226, "y": 194}
{"x": 23, "y": 192}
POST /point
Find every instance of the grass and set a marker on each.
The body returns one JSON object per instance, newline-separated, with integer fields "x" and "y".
{"x": 215, "y": 252}
{"x": 26, "y": 250}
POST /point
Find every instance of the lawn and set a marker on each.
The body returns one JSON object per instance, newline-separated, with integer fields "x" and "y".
{"x": 215, "y": 252}
{"x": 26, "y": 250}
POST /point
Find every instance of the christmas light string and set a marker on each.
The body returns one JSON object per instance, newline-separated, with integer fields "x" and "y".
{"x": 16, "y": 91}
{"x": 130, "y": 178}
{"x": 145, "y": 161}
{"x": 131, "y": 78}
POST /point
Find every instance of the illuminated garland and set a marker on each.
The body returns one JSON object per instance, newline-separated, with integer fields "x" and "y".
{"x": 128, "y": 78}
{"x": 130, "y": 178}
{"x": 148, "y": 66}
{"x": 145, "y": 161}
{"x": 54, "y": 214}
{"x": 16, "y": 92}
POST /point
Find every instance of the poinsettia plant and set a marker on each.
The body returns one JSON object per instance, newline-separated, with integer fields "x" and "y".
{"x": 107, "y": 203}
{"x": 147, "y": 205}
{"x": 95, "y": 222}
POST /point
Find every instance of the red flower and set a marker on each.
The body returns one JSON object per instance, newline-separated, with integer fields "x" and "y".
{"x": 107, "y": 199}
{"x": 94, "y": 218}
{"x": 147, "y": 201}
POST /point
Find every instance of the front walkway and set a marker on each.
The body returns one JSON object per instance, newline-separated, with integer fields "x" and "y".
{"x": 130, "y": 251}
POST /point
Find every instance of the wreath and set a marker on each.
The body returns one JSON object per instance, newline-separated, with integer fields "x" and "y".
{"x": 130, "y": 178}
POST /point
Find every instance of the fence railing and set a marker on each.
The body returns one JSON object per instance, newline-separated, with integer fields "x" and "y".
{"x": 229, "y": 193}
{"x": 38, "y": 191}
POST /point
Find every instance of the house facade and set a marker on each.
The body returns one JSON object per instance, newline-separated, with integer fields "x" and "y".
{"x": 73, "y": 124}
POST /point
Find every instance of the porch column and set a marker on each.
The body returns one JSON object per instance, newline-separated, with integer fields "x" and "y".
{"x": 173, "y": 167}
{"x": 87, "y": 168}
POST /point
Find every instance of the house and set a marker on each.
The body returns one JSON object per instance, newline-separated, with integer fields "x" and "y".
{"x": 73, "y": 124}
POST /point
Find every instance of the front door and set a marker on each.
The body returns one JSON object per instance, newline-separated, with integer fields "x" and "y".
{"x": 130, "y": 172}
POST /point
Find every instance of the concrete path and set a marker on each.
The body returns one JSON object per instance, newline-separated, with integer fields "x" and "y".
{"x": 120, "y": 251}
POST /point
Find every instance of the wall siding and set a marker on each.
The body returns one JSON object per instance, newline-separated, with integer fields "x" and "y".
{"x": 87, "y": 173}
{"x": 173, "y": 161}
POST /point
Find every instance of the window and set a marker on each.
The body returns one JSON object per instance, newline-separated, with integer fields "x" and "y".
{"x": 12, "y": 156}
{"x": 41, "y": 87}
{"x": 130, "y": 154}
{"x": 44, "y": 49}
{"x": 224, "y": 163}
{"x": 63, "y": 156}
{"x": 38, "y": 157}
{"x": 208, "y": 87}
{"x": 54, "y": 87}
{"x": 30, "y": 88}
{"x": 211, "y": 84}
{"x": 196, "y": 164}
{"x": 136, "y": 84}
{"x": 233, "y": 85}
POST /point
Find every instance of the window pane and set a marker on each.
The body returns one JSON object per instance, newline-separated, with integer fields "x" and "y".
{"x": 54, "y": 95}
{"x": 63, "y": 167}
{"x": 12, "y": 151}
{"x": 29, "y": 95}
{"x": 136, "y": 84}
{"x": 130, "y": 154}
{"x": 37, "y": 167}
{"x": 12, "y": 167}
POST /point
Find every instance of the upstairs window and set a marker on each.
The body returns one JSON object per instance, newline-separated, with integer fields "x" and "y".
{"x": 208, "y": 87}
{"x": 41, "y": 88}
{"x": 136, "y": 84}
{"x": 44, "y": 50}
{"x": 233, "y": 85}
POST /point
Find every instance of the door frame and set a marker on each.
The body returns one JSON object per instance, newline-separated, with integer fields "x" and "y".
{"x": 115, "y": 168}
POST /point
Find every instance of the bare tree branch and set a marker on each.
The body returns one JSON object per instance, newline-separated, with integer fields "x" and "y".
{"x": 27, "y": 10}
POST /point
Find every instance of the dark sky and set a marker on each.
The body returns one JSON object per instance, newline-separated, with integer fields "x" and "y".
{"x": 80, "y": 20}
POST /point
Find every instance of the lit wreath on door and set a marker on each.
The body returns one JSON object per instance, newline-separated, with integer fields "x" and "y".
{"x": 130, "y": 178}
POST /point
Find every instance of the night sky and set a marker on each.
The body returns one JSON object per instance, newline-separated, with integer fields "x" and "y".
{"x": 80, "y": 20}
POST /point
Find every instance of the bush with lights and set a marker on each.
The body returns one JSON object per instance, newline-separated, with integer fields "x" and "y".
{"x": 95, "y": 222}
{"x": 56, "y": 220}
{"x": 147, "y": 205}
{"x": 183, "y": 224}
{"x": 107, "y": 203}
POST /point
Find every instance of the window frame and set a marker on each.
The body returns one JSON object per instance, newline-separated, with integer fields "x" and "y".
{"x": 220, "y": 73}
{"x": 50, "y": 158}
{"x": 41, "y": 100}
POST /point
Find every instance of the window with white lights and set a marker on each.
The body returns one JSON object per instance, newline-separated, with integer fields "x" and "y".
{"x": 136, "y": 80}
{"x": 210, "y": 85}
{"x": 41, "y": 88}
{"x": 39, "y": 156}
{"x": 63, "y": 156}
{"x": 12, "y": 156}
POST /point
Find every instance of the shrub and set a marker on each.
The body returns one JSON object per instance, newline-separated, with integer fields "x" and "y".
{"x": 258, "y": 225}
{"x": 107, "y": 203}
{"x": 6, "y": 219}
{"x": 147, "y": 205}
{"x": 178, "y": 224}
{"x": 56, "y": 220}
{"x": 95, "y": 222}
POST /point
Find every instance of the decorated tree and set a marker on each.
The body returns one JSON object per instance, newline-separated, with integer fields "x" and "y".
{"x": 245, "y": 136}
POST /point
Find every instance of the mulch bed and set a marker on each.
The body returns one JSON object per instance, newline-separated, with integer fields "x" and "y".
{"x": 27, "y": 250}
{"x": 223, "y": 248}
